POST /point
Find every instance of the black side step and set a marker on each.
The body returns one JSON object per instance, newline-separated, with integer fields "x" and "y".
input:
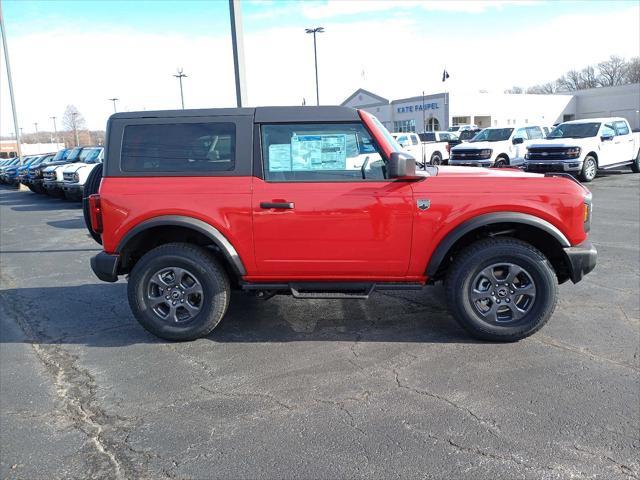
{"x": 330, "y": 290}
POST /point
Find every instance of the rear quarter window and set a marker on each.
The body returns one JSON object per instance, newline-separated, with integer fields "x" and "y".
{"x": 621, "y": 128}
{"x": 197, "y": 148}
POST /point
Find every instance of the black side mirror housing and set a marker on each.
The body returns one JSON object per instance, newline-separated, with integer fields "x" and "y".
{"x": 606, "y": 138}
{"x": 402, "y": 166}
{"x": 517, "y": 140}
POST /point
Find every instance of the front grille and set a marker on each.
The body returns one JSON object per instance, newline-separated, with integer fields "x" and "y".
{"x": 67, "y": 177}
{"x": 468, "y": 154}
{"x": 549, "y": 167}
{"x": 549, "y": 153}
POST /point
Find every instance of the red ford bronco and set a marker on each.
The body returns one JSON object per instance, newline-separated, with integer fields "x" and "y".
{"x": 320, "y": 202}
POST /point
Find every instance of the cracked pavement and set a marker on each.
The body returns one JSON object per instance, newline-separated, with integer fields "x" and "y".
{"x": 385, "y": 388}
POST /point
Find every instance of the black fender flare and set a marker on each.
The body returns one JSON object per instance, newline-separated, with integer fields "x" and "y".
{"x": 227, "y": 249}
{"x": 488, "y": 219}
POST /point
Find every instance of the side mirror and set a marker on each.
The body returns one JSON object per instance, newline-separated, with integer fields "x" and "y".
{"x": 606, "y": 138}
{"x": 517, "y": 140}
{"x": 402, "y": 166}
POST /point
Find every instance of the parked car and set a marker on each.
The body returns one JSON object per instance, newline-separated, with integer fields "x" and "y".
{"x": 438, "y": 136}
{"x": 462, "y": 137}
{"x": 496, "y": 147}
{"x": 426, "y": 153}
{"x": 195, "y": 203}
{"x": 36, "y": 172}
{"x": 9, "y": 171}
{"x": 52, "y": 175}
{"x": 28, "y": 177}
{"x": 583, "y": 146}
{"x": 462, "y": 127}
{"x": 75, "y": 174}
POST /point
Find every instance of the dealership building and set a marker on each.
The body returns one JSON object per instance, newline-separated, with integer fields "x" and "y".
{"x": 441, "y": 110}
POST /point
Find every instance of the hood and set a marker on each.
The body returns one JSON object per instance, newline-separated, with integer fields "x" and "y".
{"x": 478, "y": 172}
{"x": 74, "y": 167}
{"x": 557, "y": 142}
{"x": 475, "y": 146}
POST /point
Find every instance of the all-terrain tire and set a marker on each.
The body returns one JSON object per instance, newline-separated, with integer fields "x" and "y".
{"x": 91, "y": 186}
{"x": 436, "y": 159}
{"x": 635, "y": 166}
{"x": 484, "y": 255}
{"x": 151, "y": 297}
{"x": 589, "y": 169}
{"x": 501, "y": 162}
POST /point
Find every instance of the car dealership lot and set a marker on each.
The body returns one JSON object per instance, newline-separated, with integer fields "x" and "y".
{"x": 313, "y": 389}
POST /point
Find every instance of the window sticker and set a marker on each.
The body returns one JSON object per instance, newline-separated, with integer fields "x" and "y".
{"x": 318, "y": 152}
{"x": 280, "y": 157}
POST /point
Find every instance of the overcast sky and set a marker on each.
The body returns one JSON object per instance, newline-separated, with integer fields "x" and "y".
{"x": 84, "y": 52}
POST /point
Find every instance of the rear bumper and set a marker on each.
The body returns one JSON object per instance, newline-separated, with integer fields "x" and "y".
{"x": 105, "y": 266}
{"x": 582, "y": 259}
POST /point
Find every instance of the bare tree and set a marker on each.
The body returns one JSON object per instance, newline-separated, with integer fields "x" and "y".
{"x": 544, "y": 88}
{"x": 72, "y": 121}
{"x": 612, "y": 71}
{"x": 570, "y": 82}
{"x": 515, "y": 90}
{"x": 632, "y": 72}
{"x": 589, "y": 77}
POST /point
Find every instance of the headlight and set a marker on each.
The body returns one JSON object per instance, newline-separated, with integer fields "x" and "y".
{"x": 76, "y": 177}
{"x": 39, "y": 173}
{"x": 485, "y": 153}
{"x": 573, "y": 152}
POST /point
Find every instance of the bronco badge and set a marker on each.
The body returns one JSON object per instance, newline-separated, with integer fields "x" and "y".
{"x": 423, "y": 204}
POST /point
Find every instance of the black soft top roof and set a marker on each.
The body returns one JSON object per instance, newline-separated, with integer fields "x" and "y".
{"x": 260, "y": 114}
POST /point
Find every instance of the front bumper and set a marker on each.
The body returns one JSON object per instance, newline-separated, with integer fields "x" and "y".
{"x": 553, "y": 166}
{"x": 471, "y": 163}
{"x": 105, "y": 266}
{"x": 581, "y": 260}
{"x": 73, "y": 188}
{"x": 52, "y": 185}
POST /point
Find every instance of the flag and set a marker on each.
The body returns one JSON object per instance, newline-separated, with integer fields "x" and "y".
{"x": 445, "y": 75}
{"x": 304, "y": 101}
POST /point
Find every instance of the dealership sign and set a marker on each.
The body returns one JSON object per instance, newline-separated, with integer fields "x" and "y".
{"x": 417, "y": 108}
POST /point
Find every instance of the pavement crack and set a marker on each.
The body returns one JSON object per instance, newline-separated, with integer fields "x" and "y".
{"x": 624, "y": 469}
{"x": 259, "y": 395}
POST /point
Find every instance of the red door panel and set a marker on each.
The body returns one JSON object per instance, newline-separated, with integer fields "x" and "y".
{"x": 335, "y": 229}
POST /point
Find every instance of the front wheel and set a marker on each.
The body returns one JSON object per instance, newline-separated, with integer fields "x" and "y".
{"x": 436, "y": 159}
{"x": 178, "y": 291}
{"x": 635, "y": 166}
{"x": 589, "y": 169}
{"x": 501, "y": 289}
{"x": 501, "y": 162}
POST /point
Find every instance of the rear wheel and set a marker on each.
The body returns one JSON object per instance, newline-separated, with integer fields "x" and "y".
{"x": 179, "y": 291}
{"x": 635, "y": 166}
{"x": 91, "y": 186}
{"x": 501, "y": 289}
{"x": 589, "y": 169}
{"x": 436, "y": 159}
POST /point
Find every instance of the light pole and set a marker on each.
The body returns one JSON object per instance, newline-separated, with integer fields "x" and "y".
{"x": 114, "y": 100}
{"x": 37, "y": 136}
{"x": 55, "y": 129}
{"x": 237, "y": 44}
{"x": 75, "y": 127}
{"x": 10, "y": 83}
{"x": 315, "y": 56}
{"x": 180, "y": 76}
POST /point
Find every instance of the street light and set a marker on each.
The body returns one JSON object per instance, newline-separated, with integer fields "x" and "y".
{"x": 114, "y": 100}
{"x": 180, "y": 76}
{"x": 55, "y": 129}
{"x": 315, "y": 56}
{"x": 75, "y": 127}
{"x": 37, "y": 139}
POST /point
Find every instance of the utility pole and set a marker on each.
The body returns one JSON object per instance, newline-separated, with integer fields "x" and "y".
{"x": 114, "y": 100}
{"x": 180, "y": 76}
{"x": 75, "y": 128}
{"x": 237, "y": 42}
{"x": 16, "y": 127}
{"x": 424, "y": 121}
{"x": 37, "y": 136}
{"x": 315, "y": 56}
{"x": 55, "y": 129}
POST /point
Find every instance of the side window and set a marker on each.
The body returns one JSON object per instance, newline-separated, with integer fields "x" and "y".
{"x": 534, "y": 133}
{"x": 621, "y": 128}
{"x": 180, "y": 147}
{"x": 521, "y": 133}
{"x": 315, "y": 152}
{"x": 608, "y": 130}
{"x": 414, "y": 139}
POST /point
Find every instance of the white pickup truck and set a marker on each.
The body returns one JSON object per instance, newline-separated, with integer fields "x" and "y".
{"x": 496, "y": 147}
{"x": 584, "y": 146}
{"x": 432, "y": 153}
{"x": 75, "y": 174}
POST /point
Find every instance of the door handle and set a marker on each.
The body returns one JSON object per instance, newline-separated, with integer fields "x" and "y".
{"x": 282, "y": 205}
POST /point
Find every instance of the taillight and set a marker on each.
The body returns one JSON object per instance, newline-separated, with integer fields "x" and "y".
{"x": 96, "y": 212}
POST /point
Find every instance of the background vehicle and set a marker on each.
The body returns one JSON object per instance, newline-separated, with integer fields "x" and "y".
{"x": 75, "y": 174}
{"x": 496, "y": 147}
{"x": 36, "y": 175}
{"x": 52, "y": 175}
{"x": 462, "y": 127}
{"x": 584, "y": 146}
{"x": 426, "y": 153}
{"x": 189, "y": 209}
{"x": 9, "y": 170}
{"x": 438, "y": 136}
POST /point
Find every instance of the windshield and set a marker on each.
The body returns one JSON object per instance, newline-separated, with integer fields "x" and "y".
{"x": 575, "y": 130}
{"x": 61, "y": 155}
{"x": 74, "y": 154}
{"x": 493, "y": 135}
{"x": 90, "y": 155}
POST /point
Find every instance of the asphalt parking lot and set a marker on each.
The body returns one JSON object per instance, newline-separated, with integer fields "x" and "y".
{"x": 285, "y": 388}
